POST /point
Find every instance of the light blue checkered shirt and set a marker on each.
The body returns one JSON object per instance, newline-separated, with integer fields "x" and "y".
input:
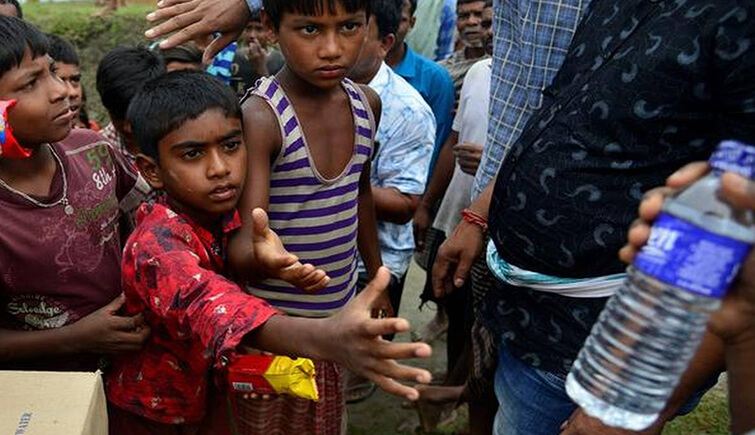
{"x": 531, "y": 38}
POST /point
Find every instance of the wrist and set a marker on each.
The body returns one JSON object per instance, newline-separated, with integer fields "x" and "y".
{"x": 71, "y": 342}
{"x": 476, "y": 219}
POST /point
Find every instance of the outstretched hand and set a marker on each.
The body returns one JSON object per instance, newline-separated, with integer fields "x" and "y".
{"x": 276, "y": 262}
{"x": 198, "y": 19}
{"x": 360, "y": 347}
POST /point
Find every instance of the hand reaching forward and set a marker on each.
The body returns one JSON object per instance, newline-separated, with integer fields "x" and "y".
{"x": 198, "y": 19}
{"x": 359, "y": 346}
{"x": 276, "y": 262}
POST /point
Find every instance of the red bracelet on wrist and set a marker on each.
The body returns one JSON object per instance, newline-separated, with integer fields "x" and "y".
{"x": 475, "y": 219}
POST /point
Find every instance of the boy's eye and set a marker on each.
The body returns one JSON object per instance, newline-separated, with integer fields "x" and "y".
{"x": 351, "y": 27}
{"x": 232, "y": 145}
{"x": 191, "y": 154}
{"x": 30, "y": 85}
{"x": 309, "y": 30}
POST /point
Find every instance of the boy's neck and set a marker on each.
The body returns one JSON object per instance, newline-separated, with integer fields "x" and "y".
{"x": 295, "y": 85}
{"x": 209, "y": 222}
{"x": 12, "y": 170}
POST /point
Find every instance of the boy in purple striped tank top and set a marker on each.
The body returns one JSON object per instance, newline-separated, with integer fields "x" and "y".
{"x": 310, "y": 134}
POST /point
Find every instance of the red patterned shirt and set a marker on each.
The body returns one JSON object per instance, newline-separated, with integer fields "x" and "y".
{"x": 172, "y": 273}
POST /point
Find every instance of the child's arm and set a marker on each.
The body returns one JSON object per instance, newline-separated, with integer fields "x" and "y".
{"x": 255, "y": 255}
{"x": 216, "y": 311}
{"x": 102, "y": 332}
{"x": 367, "y": 227}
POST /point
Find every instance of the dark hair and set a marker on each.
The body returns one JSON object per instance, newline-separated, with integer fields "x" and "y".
{"x": 387, "y": 14}
{"x": 164, "y": 103}
{"x": 15, "y": 3}
{"x": 412, "y": 7}
{"x": 184, "y": 53}
{"x": 62, "y": 51}
{"x": 488, "y": 3}
{"x": 120, "y": 75}
{"x": 15, "y": 37}
{"x": 276, "y": 8}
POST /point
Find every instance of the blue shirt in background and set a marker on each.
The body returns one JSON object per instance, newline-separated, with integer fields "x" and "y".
{"x": 434, "y": 83}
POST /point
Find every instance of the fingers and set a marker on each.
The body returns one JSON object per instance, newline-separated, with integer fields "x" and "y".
{"x": 128, "y": 324}
{"x": 687, "y": 174}
{"x": 462, "y": 270}
{"x": 441, "y": 274}
{"x": 637, "y": 237}
{"x": 652, "y": 202}
{"x": 392, "y": 387}
{"x": 387, "y": 350}
{"x": 386, "y": 326}
{"x": 218, "y": 44}
{"x": 306, "y": 277}
{"x": 131, "y": 341}
{"x": 168, "y": 3}
{"x": 180, "y": 19}
{"x": 260, "y": 222}
{"x": 468, "y": 167}
{"x": 738, "y": 191}
{"x": 468, "y": 147}
{"x": 116, "y": 304}
{"x": 375, "y": 288}
{"x": 419, "y": 237}
{"x": 387, "y": 374}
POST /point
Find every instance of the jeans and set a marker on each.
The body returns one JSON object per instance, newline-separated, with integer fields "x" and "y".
{"x": 534, "y": 402}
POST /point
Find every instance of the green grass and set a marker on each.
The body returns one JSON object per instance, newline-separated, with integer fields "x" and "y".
{"x": 92, "y": 35}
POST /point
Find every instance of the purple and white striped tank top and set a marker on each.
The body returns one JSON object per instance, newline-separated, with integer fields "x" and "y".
{"x": 315, "y": 217}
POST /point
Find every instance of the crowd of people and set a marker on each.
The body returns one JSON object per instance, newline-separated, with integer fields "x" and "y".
{"x": 270, "y": 170}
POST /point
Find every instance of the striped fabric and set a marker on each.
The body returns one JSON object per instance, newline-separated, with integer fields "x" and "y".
{"x": 315, "y": 217}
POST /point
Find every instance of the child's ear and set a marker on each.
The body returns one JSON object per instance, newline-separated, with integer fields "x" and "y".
{"x": 387, "y": 43}
{"x": 150, "y": 170}
{"x": 270, "y": 33}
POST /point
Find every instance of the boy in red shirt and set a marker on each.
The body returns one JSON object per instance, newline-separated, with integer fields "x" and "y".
{"x": 188, "y": 127}
{"x": 60, "y": 245}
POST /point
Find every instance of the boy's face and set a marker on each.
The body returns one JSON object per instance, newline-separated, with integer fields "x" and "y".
{"x": 202, "y": 166}
{"x": 42, "y": 113}
{"x": 321, "y": 49}
{"x": 469, "y": 23}
{"x": 71, "y": 76}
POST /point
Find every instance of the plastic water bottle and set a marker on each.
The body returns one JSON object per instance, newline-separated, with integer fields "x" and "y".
{"x": 651, "y": 328}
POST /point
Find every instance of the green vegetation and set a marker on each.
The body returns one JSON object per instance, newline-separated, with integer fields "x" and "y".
{"x": 92, "y": 35}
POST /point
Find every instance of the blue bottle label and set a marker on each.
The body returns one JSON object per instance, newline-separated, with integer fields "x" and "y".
{"x": 689, "y": 257}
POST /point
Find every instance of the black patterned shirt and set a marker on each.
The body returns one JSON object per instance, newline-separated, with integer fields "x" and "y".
{"x": 646, "y": 87}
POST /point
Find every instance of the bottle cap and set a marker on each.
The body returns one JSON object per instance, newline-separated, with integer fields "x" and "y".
{"x": 735, "y": 157}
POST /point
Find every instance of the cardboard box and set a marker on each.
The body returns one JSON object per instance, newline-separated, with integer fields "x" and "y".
{"x": 47, "y": 403}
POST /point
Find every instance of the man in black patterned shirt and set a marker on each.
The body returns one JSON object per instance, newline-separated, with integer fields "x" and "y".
{"x": 647, "y": 86}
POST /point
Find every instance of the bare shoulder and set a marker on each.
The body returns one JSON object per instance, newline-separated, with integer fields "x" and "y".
{"x": 373, "y": 99}
{"x": 261, "y": 127}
